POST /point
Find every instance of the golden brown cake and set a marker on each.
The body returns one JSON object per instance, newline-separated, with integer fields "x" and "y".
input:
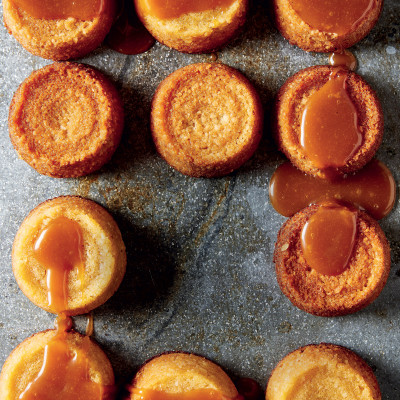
{"x": 104, "y": 257}
{"x": 206, "y": 120}
{"x": 195, "y": 32}
{"x": 291, "y": 102}
{"x": 295, "y": 29}
{"x": 25, "y": 362}
{"x": 66, "y": 120}
{"x": 322, "y": 372}
{"x": 179, "y": 373}
{"x": 57, "y": 39}
{"x": 325, "y": 295}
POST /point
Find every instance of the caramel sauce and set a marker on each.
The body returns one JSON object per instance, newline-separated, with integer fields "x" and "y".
{"x": 128, "y": 35}
{"x": 329, "y": 131}
{"x": 65, "y": 373}
{"x": 344, "y": 59}
{"x": 199, "y": 394}
{"x": 84, "y": 10}
{"x": 59, "y": 249}
{"x": 373, "y": 189}
{"x": 334, "y": 16}
{"x": 328, "y": 238}
{"x": 169, "y": 9}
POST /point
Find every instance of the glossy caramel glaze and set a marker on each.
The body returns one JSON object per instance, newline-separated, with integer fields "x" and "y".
{"x": 334, "y": 16}
{"x": 328, "y": 238}
{"x": 169, "y": 9}
{"x": 344, "y": 59}
{"x": 373, "y": 188}
{"x": 84, "y": 10}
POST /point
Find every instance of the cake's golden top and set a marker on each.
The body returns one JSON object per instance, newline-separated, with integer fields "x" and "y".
{"x": 324, "y": 295}
{"x": 292, "y": 100}
{"x": 57, "y": 39}
{"x": 66, "y": 120}
{"x": 309, "y": 38}
{"x": 104, "y": 257}
{"x": 322, "y": 372}
{"x": 195, "y": 32}
{"x": 206, "y": 119}
{"x": 25, "y": 362}
{"x": 181, "y": 373}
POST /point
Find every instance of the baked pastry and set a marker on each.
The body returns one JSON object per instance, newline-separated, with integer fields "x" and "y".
{"x": 58, "y": 39}
{"x": 324, "y": 371}
{"x": 90, "y": 282}
{"x": 206, "y": 120}
{"x": 182, "y": 373}
{"x": 292, "y": 101}
{"x": 25, "y": 362}
{"x": 66, "y": 120}
{"x": 344, "y": 291}
{"x": 193, "y": 26}
{"x": 325, "y": 26}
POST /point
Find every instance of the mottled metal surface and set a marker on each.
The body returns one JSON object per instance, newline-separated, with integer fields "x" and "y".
{"x": 200, "y": 274}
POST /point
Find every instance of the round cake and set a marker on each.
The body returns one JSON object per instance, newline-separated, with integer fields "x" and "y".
{"x": 66, "y": 120}
{"x": 25, "y": 362}
{"x": 181, "y": 373}
{"x": 195, "y": 28}
{"x": 304, "y": 23}
{"x": 206, "y": 120}
{"x": 58, "y": 39}
{"x": 292, "y": 100}
{"x": 332, "y": 295}
{"x": 324, "y": 371}
{"x": 103, "y": 255}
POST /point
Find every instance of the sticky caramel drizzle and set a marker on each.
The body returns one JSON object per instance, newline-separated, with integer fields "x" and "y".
{"x": 84, "y": 10}
{"x": 328, "y": 238}
{"x": 330, "y": 135}
{"x": 373, "y": 189}
{"x": 169, "y": 9}
{"x": 199, "y": 394}
{"x": 333, "y": 16}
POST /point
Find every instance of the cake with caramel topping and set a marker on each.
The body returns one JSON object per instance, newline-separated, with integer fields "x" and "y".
{"x": 318, "y": 292}
{"x": 180, "y": 376}
{"x": 193, "y": 26}
{"x": 66, "y": 120}
{"x": 353, "y": 104}
{"x": 324, "y": 371}
{"x": 326, "y": 25}
{"x": 206, "y": 120}
{"x": 24, "y": 364}
{"x": 83, "y": 241}
{"x": 60, "y": 38}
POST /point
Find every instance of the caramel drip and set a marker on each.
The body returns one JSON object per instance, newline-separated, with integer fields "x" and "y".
{"x": 333, "y": 16}
{"x": 373, "y": 189}
{"x": 328, "y": 239}
{"x": 128, "y": 35}
{"x": 329, "y": 130}
{"x": 199, "y": 394}
{"x": 344, "y": 59}
{"x": 84, "y": 10}
{"x": 65, "y": 372}
{"x": 59, "y": 249}
{"x": 169, "y": 9}
{"x": 89, "y": 325}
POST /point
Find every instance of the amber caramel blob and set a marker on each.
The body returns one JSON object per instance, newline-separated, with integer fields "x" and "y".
{"x": 128, "y": 35}
{"x": 333, "y": 16}
{"x": 344, "y": 59}
{"x": 59, "y": 248}
{"x": 198, "y": 394}
{"x": 373, "y": 188}
{"x": 65, "y": 373}
{"x": 84, "y": 10}
{"x": 328, "y": 237}
{"x": 329, "y": 130}
{"x": 169, "y": 9}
